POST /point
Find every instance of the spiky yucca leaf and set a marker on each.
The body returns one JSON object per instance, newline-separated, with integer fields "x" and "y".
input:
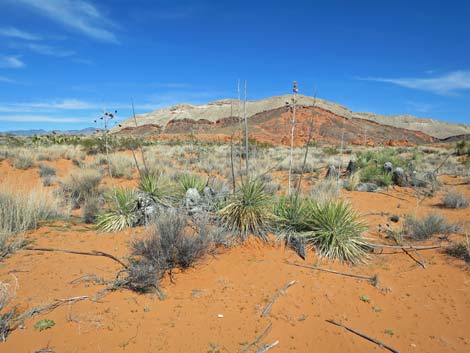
{"x": 191, "y": 181}
{"x": 248, "y": 210}
{"x": 335, "y": 231}
{"x": 156, "y": 187}
{"x": 122, "y": 211}
{"x": 290, "y": 213}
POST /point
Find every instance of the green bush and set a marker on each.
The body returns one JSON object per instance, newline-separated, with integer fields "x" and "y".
{"x": 191, "y": 181}
{"x": 157, "y": 187}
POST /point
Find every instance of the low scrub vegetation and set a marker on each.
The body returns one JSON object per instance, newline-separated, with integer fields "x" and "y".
{"x": 24, "y": 159}
{"x": 454, "y": 199}
{"x": 426, "y": 227}
{"x": 460, "y": 250}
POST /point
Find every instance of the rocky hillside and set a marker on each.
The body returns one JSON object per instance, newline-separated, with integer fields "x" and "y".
{"x": 270, "y": 119}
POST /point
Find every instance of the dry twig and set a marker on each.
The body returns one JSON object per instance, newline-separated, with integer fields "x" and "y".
{"x": 256, "y": 341}
{"x": 267, "y": 309}
{"x": 373, "y": 340}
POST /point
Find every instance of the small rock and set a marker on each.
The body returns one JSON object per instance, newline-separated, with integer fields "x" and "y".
{"x": 399, "y": 177}
{"x": 394, "y": 218}
{"x": 191, "y": 198}
{"x": 331, "y": 172}
{"x": 367, "y": 187}
{"x": 220, "y": 316}
{"x": 388, "y": 167}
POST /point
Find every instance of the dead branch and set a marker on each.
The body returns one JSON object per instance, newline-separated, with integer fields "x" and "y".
{"x": 408, "y": 247}
{"x": 373, "y": 340}
{"x": 47, "y": 308}
{"x": 268, "y": 347}
{"x": 373, "y": 280}
{"x": 259, "y": 338}
{"x": 267, "y": 309}
{"x": 396, "y": 197}
{"x": 91, "y": 253}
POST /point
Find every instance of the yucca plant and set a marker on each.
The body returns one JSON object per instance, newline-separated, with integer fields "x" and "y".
{"x": 248, "y": 210}
{"x": 121, "y": 214}
{"x": 335, "y": 231}
{"x": 154, "y": 185}
{"x": 191, "y": 181}
{"x": 290, "y": 213}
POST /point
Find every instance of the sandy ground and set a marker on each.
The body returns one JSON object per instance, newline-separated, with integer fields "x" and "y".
{"x": 412, "y": 309}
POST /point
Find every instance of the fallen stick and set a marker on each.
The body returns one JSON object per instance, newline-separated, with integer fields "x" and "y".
{"x": 384, "y": 193}
{"x": 373, "y": 280}
{"x": 422, "y": 264}
{"x": 48, "y": 307}
{"x": 91, "y": 253}
{"x": 268, "y": 347}
{"x": 256, "y": 341}
{"x": 267, "y": 309}
{"x": 409, "y": 247}
{"x": 373, "y": 340}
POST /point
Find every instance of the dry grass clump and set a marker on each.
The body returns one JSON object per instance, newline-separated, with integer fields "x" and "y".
{"x": 425, "y": 228}
{"x": 326, "y": 190}
{"x": 81, "y": 184}
{"x": 22, "y": 210}
{"x": 122, "y": 166}
{"x": 453, "y": 199}
{"x": 22, "y": 159}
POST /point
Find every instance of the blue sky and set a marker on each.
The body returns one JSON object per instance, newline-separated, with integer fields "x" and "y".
{"x": 61, "y": 61}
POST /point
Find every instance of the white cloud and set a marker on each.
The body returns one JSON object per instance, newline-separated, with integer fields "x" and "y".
{"x": 445, "y": 84}
{"x": 40, "y": 118}
{"x": 48, "y": 50}
{"x": 13, "y": 32}
{"x": 11, "y": 62}
{"x": 79, "y": 15}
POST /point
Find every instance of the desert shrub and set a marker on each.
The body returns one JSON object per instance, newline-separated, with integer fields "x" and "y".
{"x": 462, "y": 148}
{"x": 335, "y": 231}
{"x": 24, "y": 159}
{"x": 46, "y": 171}
{"x": 460, "y": 250}
{"x": 21, "y": 211}
{"x": 379, "y": 157}
{"x": 326, "y": 190}
{"x": 168, "y": 246}
{"x": 375, "y": 174}
{"x": 330, "y": 150}
{"x": 156, "y": 186}
{"x": 90, "y": 209}
{"x": 453, "y": 199}
{"x": 142, "y": 276}
{"x": 121, "y": 166}
{"x": 81, "y": 183}
{"x": 191, "y": 181}
{"x": 353, "y": 181}
{"x": 248, "y": 210}
{"x": 425, "y": 228}
{"x": 121, "y": 213}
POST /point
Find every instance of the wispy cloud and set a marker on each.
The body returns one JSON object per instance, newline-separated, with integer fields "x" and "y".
{"x": 49, "y": 50}
{"x": 40, "y": 119}
{"x": 445, "y": 84}
{"x": 49, "y": 106}
{"x": 13, "y": 32}
{"x": 11, "y": 62}
{"x": 6, "y": 79}
{"x": 79, "y": 15}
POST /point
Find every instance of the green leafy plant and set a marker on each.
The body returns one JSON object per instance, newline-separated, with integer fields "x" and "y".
{"x": 248, "y": 210}
{"x": 121, "y": 214}
{"x": 364, "y": 298}
{"x": 44, "y": 324}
